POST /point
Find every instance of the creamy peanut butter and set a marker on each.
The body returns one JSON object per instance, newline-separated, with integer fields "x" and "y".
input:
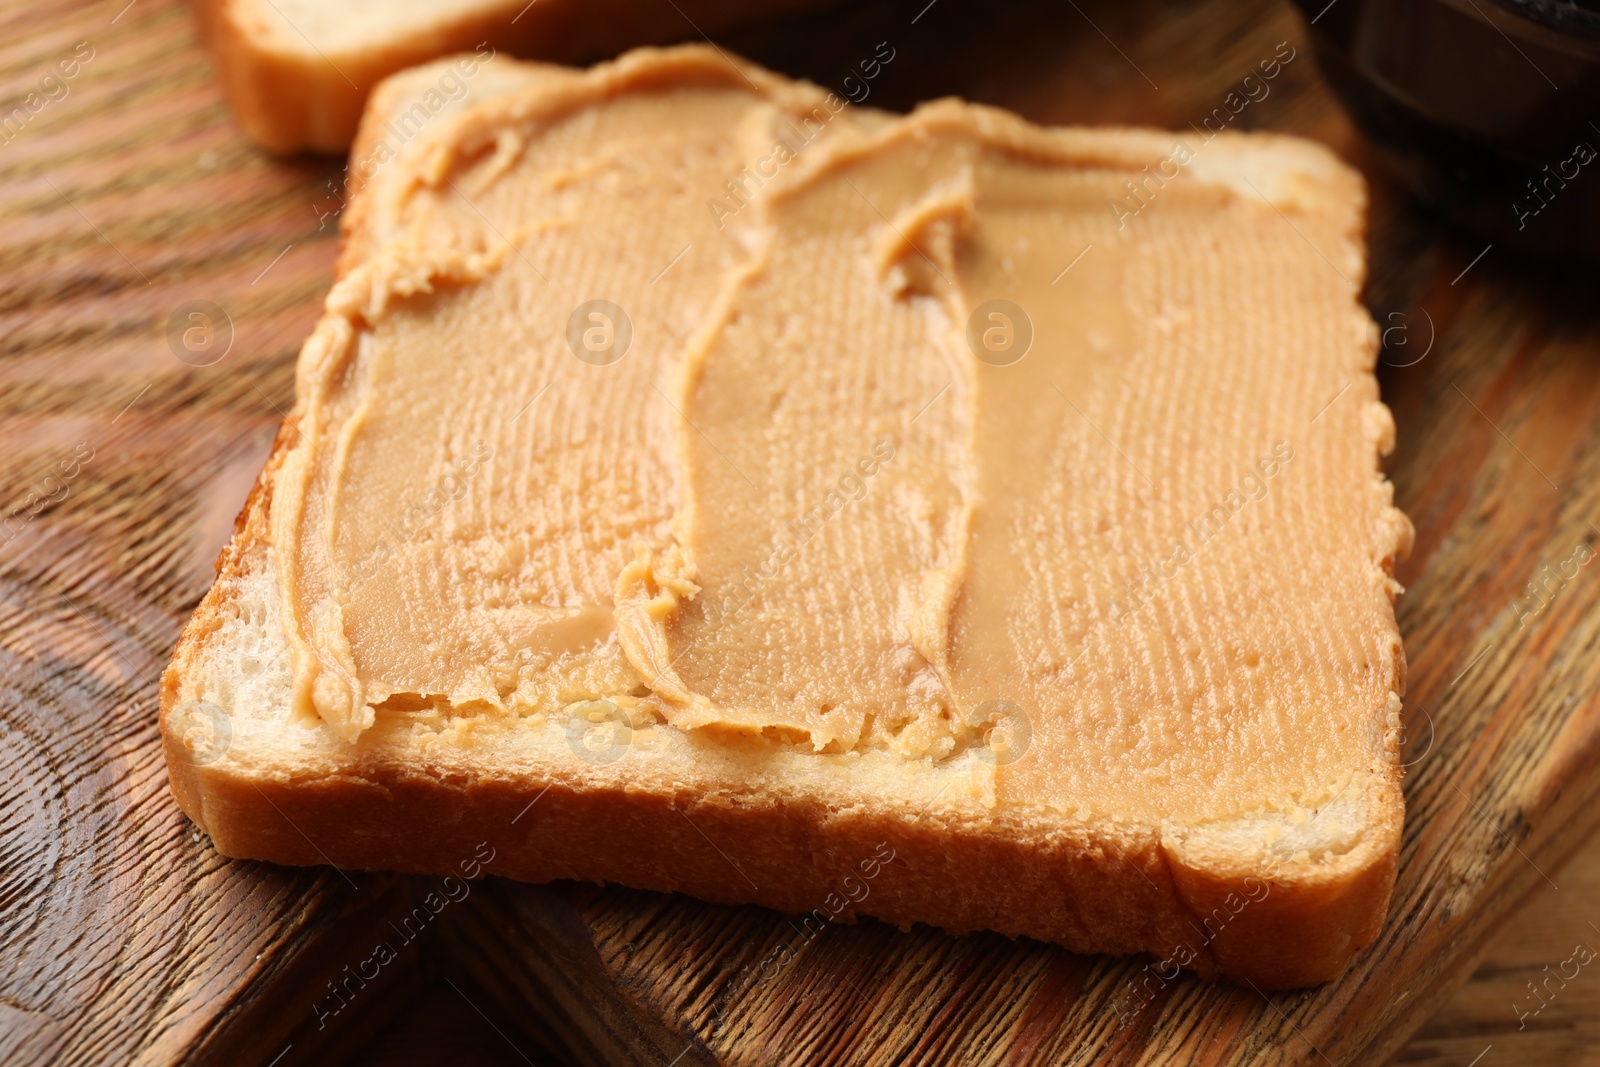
{"x": 906, "y": 439}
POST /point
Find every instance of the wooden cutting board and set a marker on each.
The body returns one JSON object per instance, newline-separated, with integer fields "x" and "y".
{"x": 129, "y": 202}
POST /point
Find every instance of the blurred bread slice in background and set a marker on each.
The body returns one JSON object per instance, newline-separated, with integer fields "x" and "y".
{"x": 297, "y": 73}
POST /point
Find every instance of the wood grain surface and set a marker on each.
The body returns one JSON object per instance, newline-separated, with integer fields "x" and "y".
{"x": 129, "y": 202}
{"x": 451, "y": 1020}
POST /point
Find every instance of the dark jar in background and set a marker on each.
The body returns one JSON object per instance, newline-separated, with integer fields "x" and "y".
{"x": 1488, "y": 110}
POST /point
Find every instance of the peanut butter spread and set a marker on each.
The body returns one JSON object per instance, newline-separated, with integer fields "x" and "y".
{"x": 679, "y": 386}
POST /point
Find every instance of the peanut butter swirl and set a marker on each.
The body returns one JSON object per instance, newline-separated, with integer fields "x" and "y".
{"x": 902, "y": 434}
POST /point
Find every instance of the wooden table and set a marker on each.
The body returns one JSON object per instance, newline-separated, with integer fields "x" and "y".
{"x": 440, "y": 1024}
{"x": 125, "y": 938}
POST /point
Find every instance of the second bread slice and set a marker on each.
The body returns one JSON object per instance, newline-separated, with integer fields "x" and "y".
{"x": 297, "y": 72}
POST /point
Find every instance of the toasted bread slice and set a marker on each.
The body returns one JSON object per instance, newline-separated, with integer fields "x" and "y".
{"x": 297, "y": 72}
{"x": 1093, "y": 645}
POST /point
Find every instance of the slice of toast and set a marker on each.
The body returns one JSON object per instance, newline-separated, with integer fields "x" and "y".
{"x": 297, "y": 72}
{"x": 815, "y": 593}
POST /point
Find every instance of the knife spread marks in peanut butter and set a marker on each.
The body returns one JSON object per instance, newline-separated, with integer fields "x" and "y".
{"x": 807, "y": 502}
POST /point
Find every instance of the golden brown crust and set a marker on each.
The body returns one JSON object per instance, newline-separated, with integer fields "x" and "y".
{"x": 1121, "y": 893}
{"x": 247, "y": 545}
{"x": 797, "y": 858}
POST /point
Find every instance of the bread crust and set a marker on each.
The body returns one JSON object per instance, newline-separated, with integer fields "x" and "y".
{"x": 672, "y": 825}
